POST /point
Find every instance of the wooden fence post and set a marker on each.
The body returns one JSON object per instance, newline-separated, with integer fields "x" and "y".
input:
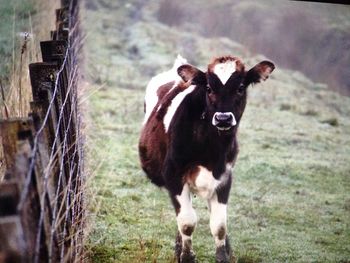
{"x": 40, "y": 193}
{"x": 18, "y": 228}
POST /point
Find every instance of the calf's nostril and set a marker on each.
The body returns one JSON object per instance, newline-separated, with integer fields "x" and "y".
{"x": 223, "y": 117}
{"x": 224, "y": 120}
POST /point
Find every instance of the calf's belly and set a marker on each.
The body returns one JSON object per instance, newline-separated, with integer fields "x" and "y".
{"x": 152, "y": 151}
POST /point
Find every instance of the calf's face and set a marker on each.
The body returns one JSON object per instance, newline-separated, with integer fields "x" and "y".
{"x": 226, "y": 83}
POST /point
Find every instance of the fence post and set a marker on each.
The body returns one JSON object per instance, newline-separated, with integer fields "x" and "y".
{"x": 10, "y": 132}
{"x": 17, "y": 227}
{"x": 41, "y": 210}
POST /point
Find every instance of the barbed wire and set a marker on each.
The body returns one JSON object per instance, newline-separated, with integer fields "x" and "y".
{"x": 48, "y": 167}
{"x": 64, "y": 205}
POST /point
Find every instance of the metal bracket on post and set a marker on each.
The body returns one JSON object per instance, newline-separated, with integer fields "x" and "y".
{"x": 60, "y": 34}
{"x": 62, "y": 19}
{"x": 53, "y": 51}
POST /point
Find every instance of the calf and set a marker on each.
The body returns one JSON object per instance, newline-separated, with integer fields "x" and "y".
{"x": 188, "y": 142}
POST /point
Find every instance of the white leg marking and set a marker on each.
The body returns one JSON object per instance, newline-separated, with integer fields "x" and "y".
{"x": 187, "y": 217}
{"x": 218, "y": 220}
{"x": 151, "y": 98}
{"x": 225, "y": 70}
{"x": 174, "y": 105}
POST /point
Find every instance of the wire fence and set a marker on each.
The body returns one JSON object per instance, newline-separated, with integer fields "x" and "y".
{"x": 41, "y": 194}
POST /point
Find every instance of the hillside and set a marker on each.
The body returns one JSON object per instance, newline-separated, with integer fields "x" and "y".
{"x": 310, "y": 37}
{"x": 290, "y": 199}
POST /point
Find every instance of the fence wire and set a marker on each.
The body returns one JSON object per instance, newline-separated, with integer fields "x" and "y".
{"x": 59, "y": 232}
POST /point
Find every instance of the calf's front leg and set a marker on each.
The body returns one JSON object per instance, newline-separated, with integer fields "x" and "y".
{"x": 186, "y": 222}
{"x": 218, "y": 219}
{"x": 218, "y": 228}
{"x": 185, "y": 214}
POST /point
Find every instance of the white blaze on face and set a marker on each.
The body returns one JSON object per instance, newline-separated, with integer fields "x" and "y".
{"x": 225, "y": 70}
{"x": 175, "y": 103}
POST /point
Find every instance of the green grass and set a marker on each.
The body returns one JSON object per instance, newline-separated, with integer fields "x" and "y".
{"x": 290, "y": 200}
{"x": 14, "y": 18}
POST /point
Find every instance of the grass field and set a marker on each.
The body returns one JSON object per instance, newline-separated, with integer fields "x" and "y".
{"x": 290, "y": 200}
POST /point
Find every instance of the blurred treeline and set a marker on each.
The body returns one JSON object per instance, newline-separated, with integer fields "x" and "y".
{"x": 313, "y": 38}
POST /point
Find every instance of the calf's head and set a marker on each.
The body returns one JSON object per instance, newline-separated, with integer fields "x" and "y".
{"x": 225, "y": 82}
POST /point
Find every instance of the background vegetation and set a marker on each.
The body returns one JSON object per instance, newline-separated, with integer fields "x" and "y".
{"x": 290, "y": 200}
{"x": 23, "y": 23}
{"x": 308, "y": 37}
{"x": 14, "y": 16}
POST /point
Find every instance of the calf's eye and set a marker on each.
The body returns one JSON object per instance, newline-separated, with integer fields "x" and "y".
{"x": 240, "y": 89}
{"x": 209, "y": 90}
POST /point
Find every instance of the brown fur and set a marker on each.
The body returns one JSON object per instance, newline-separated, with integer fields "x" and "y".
{"x": 191, "y": 176}
{"x": 164, "y": 89}
{"x": 154, "y": 141}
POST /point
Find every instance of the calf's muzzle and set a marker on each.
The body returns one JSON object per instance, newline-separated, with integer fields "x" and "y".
{"x": 224, "y": 120}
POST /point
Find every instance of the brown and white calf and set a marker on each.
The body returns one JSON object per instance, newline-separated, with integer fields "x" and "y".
{"x": 188, "y": 142}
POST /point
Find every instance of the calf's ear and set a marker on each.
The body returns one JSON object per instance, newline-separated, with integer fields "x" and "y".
{"x": 190, "y": 73}
{"x": 259, "y": 72}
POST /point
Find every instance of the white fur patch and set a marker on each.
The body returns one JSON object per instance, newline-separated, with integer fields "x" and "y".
{"x": 218, "y": 219}
{"x": 174, "y": 106}
{"x": 151, "y": 98}
{"x": 225, "y": 70}
{"x": 205, "y": 183}
{"x": 187, "y": 215}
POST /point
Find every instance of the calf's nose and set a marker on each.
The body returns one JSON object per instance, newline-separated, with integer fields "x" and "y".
{"x": 224, "y": 120}
{"x": 224, "y": 117}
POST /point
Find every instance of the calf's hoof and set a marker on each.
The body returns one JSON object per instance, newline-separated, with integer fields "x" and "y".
{"x": 188, "y": 257}
{"x": 224, "y": 253}
{"x": 186, "y": 254}
{"x": 178, "y": 247}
